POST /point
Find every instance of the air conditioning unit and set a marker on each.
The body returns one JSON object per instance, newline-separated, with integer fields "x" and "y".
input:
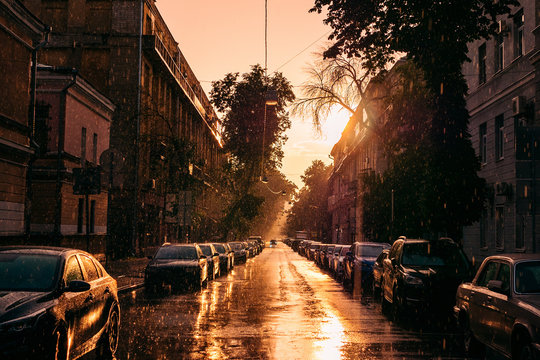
{"x": 518, "y": 105}
{"x": 502, "y": 26}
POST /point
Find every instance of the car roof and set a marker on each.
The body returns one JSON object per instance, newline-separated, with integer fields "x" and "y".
{"x": 515, "y": 257}
{"x": 46, "y": 250}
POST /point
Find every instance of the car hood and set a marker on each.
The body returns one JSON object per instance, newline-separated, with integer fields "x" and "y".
{"x": 15, "y": 304}
{"x": 432, "y": 272}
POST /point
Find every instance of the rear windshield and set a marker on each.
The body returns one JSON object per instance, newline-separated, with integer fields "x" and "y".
{"x": 28, "y": 272}
{"x": 344, "y": 250}
{"x": 370, "y": 250}
{"x": 528, "y": 277}
{"x": 220, "y": 248}
{"x": 206, "y": 249}
{"x": 177, "y": 252}
{"x": 426, "y": 254}
{"x": 236, "y": 246}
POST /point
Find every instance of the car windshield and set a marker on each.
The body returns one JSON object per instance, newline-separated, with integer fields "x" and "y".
{"x": 528, "y": 277}
{"x": 425, "y": 254}
{"x": 27, "y": 272}
{"x": 177, "y": 252}
{"x": 219, "y": 248}
{"x": 370, "y": 250}
{"x": 206, "y": 249}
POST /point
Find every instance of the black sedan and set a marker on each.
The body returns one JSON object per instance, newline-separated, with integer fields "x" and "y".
{"x": 240, "y": 251}
{"x": 176, "y": 265}
{"x": 212, "y": 256}
{"x": 56, "y": 303}
{"x": 226, "y": 256}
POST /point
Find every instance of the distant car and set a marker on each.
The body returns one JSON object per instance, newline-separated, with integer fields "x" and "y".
{"x": 312, "y": 249}
{"x": 360, "y": 260}
{"x": 500, "y": 308}
{"x": 55, "y": 303}
{"x": 212, "y": 257}
{"x": 240, "y": 251}
{"x": 273, "y": 243}
{"x": 378, "y": 273}
{"x": 226, "y": 256}
{"x": 178, "y": 266}
{"x": 423, "y": 275}
{"x": 339, "y": 261}
{"x": 328, "y": 256}
{"x": 258, "y": 239}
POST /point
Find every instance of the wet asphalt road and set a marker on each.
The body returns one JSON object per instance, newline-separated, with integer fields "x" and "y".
{"x": 276, "y": 306}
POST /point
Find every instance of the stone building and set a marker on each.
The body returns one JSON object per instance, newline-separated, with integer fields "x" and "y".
{"x": 503, "y": 79}
{"x": 21, "y": 34}
{"x": 73, "y": 121}
{"x": 126, "y": 51}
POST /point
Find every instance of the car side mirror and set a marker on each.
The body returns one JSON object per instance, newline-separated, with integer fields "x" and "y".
{"x": 77, "y": 286}
{"x": 349, "y": 254}
{"x": 216, "y": 254}
{"x": 496, "y": 286}
{"x": 202, "y": 257}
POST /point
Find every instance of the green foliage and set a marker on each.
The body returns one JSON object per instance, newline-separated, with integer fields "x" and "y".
{"x": 309, "y": 211}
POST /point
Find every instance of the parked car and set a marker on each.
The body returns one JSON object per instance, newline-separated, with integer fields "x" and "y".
{"x": 419, "y": 274}
{"x": 311, "y": 250}
{"x": 176, "y": 265}
{"x": 258, "y": 239}
{"x": 500, "y": 308}
{"x": 240, "y": 251}
{"x": 294, "y": 244}
{"x": 378, "y": 272}
{"x": 55, "y": 303}
{"x": 226, "y": 256}
{"x": 360, "y": 260}
{"x": 328, "y": 256}
{"x": 339, "y": 260}
{"x": 212, "y": 257}
{"x": 303, "y": 247}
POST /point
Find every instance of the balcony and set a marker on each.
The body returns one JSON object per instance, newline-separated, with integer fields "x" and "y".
{"x": 157, "y": 51}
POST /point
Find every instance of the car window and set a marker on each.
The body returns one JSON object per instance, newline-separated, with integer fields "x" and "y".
{"x": 90, "y": 268}
{"x": 528, "y": 277}
{"x": 206, "y": 249}
{"x": 220, "y": 248}
{"x": 73, "y": 270}
{"x": 344, "y": 250}
{"x": 504, "y": 276}
{"x": 488, "y": 273}
{"x": 369, "y": 250}
{"x": 177, "y": 252}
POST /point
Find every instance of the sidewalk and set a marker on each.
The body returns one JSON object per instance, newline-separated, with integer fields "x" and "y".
{"x": 129, "y": 273}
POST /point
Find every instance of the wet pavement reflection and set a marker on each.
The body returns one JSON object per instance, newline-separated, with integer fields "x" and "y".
{"x": 276, "y": 306}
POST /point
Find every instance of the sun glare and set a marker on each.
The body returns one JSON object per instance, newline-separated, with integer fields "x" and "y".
{"x": 333, "y": 126}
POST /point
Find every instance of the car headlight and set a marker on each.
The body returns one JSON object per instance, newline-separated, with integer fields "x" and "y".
{"x": 413, "y": 280}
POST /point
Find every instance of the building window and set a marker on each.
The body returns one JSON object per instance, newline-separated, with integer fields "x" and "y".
{"x": 483, "y": 143}
{"x": 499, "y": 52}
{"x": 499, "y": 137}
{"x": 519, "y": 44}
{"x": 94, "y": 148}
{"x": 80, "y": 216}
{"x": 83, "y": 145}
{"x": 499, "y": 221}
{"x": 482, "y": 64}
{"x": 520, "y": 232}
{"x": 92, "y": 216}
{"x": 483, "y": 229}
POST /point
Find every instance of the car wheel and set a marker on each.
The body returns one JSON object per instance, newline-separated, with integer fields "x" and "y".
{"x": 110, "y": 337}
{"x": 471, "y": 345}
{"x": 523, "y": 349}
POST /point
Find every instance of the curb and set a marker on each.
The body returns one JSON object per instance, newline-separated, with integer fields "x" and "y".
{"x": 129, "y": 288}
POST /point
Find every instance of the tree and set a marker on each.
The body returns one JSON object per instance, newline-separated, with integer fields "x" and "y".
{"x": 309, "y": 211}
{"x": 434, "y": 35}
{"x": 254, "y": 134}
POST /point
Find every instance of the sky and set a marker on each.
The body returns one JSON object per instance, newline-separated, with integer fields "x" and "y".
{"x": 218, "y": 37}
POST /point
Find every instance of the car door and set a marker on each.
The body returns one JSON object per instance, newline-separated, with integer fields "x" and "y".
{"x": 76, "y": 304}
{"x": 480, "y": 313}
{"x": 503, "y": 320}
{"x": 97, "y": 299}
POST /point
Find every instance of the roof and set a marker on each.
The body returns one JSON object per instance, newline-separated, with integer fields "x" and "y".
{"x": 515, "y": 257}
{"x": 40, "y": 249}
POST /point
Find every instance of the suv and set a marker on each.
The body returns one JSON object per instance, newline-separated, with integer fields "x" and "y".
{"x": 420, "y": 274}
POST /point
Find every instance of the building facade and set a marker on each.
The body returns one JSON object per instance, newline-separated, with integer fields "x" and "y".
{"x": 503, "y": 79}
{"x": 20, "y": 35}
{"x": 126, "y": 51}
{"x": 73, "y": 122}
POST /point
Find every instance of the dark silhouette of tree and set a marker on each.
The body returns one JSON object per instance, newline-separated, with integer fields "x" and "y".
{"x": 309, "y": 211}
{"x": 434, "y": 35}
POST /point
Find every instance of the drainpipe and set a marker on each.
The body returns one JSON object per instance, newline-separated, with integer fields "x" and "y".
{"x": 60, "y": 152}
{"x": 31, "y": 134}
